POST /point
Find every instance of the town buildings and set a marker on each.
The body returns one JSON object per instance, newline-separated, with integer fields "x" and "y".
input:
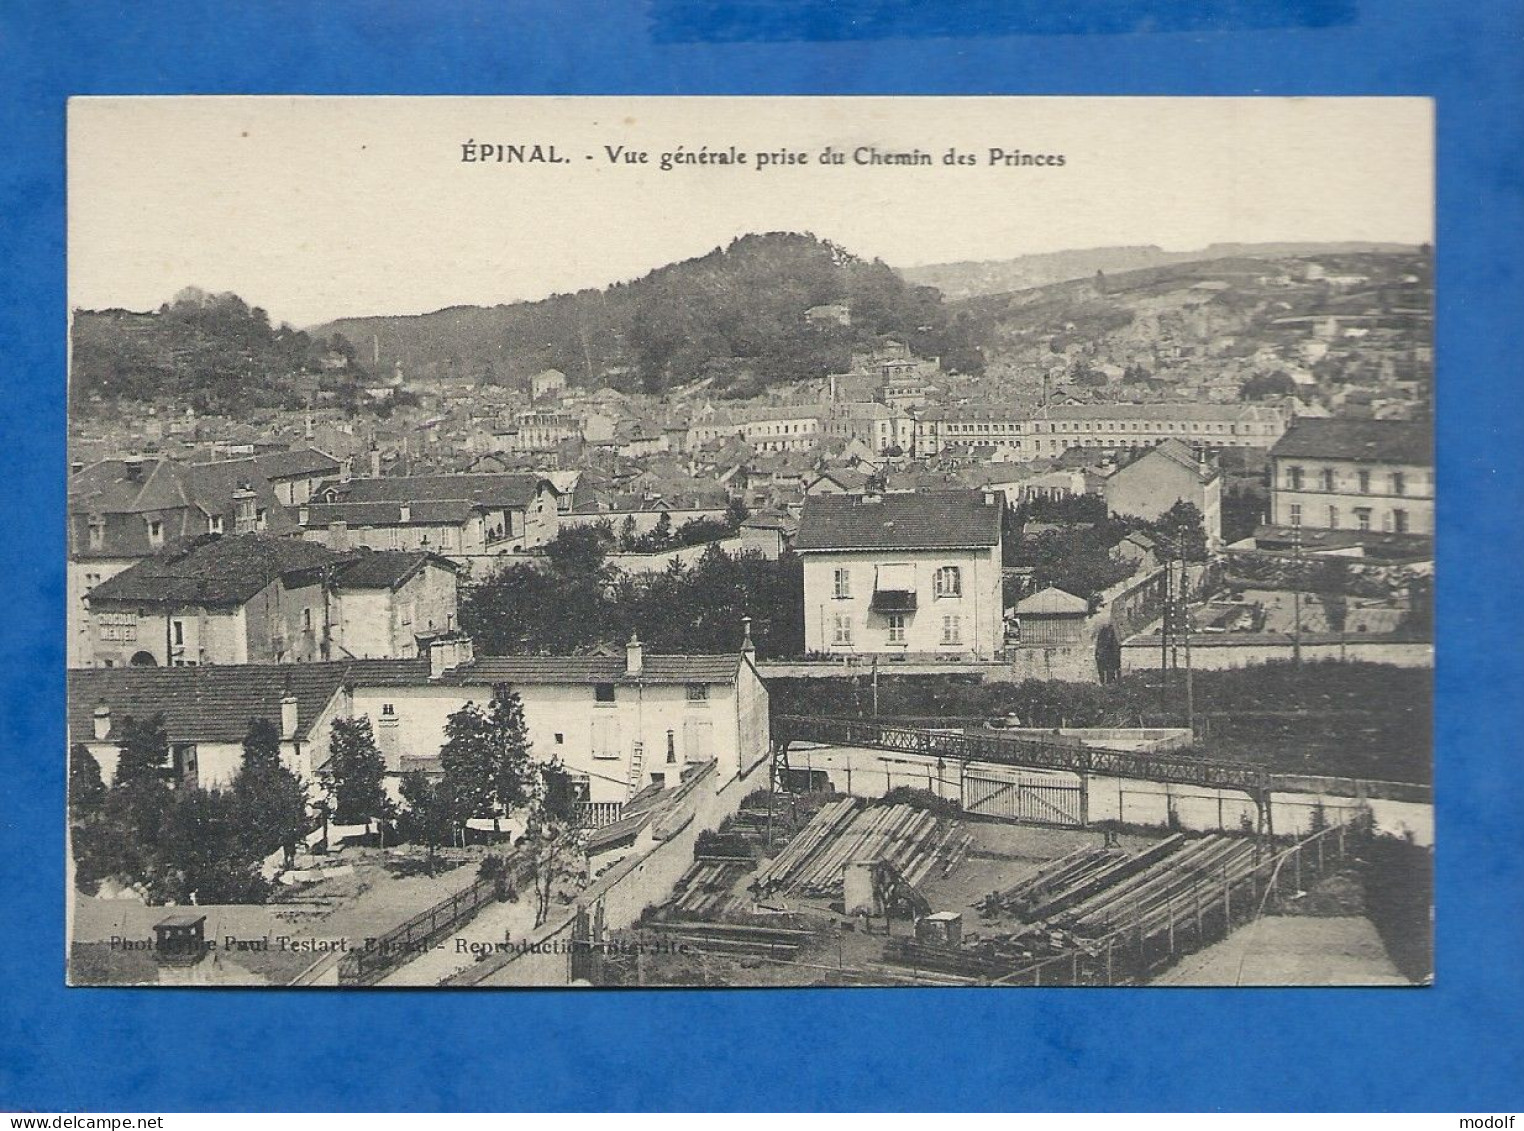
{"x": 467, "y": 517}
{"x": 121, "y": 511}
{"x": 1361, "y": 475}
{"x": 618, "y": 724}
{"x": 1169, "y": 473}
{"x": 1050, "y": 430}
{"x": 900, "y": 574}
{"x": 257, "y": 599}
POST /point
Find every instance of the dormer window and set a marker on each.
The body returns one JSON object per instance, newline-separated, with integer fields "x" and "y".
{"x": 155, "y": 532}
{"x": 214, "y": 524}
{"x": 97, "y": 533}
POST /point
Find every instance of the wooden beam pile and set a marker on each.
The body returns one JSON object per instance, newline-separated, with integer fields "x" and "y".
{"x": 833, "y": 817}
{"x": 911, "y": 839}
{"x": 737, "y": 938}
{"x": 901, "y": 834}
{"x": 707, "y": 889}
{"x": 1050, "y": 880}
{"x": 1106, "y": 878}
{"x": 1160, "y": 892}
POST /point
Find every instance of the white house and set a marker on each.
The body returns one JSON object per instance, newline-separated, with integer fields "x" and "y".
{"x": 913, "y": 573}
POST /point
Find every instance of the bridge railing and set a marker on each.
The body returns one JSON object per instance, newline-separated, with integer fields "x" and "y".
{"x": 1162, "y": 766}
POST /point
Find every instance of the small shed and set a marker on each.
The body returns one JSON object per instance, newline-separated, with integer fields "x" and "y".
{"x": 1052, "y": 616}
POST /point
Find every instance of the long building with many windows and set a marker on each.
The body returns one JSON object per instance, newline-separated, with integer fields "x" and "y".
{"x": 1039, "y": 433}
{"x": 1365, "y": 475}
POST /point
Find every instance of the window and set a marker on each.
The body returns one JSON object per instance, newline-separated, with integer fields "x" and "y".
{"x": 1365, "y": 482}
{"x": 1296, "y": 514}
{"x": 1333, "y": 518}
{"x": 605, "y": 739}
{"x": 671, "y": 747}
{"x": 603, "y": 693}
{"x": 179, "y": 633}
{"x": 1399, "y": 483}
{"x": 97, "y": 533}
{"x": 560, "y": 739}
{"x": 1400, "y": 521}
{"x": 155, "y": 532}
{"x": 952, "y": 630}
{"x": 698, "y": 692}
{"x": 306, "y": 620}
{"x": 259, "y": 519}
{"x": 842, "y": 631}
{"x": 1363, "y": 517}
{"x": 896, "y": 628}
{"x": 843, "y": 584}
{"x": 388, "y": 710}
{"x": 1294, "y": 478}
{"x": 698, "y": 740}
{"x": 214, "y": 524}
{"x": 1328, "y": 479}
{"x": 949, "y": 582}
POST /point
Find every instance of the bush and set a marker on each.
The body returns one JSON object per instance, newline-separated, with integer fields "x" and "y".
{"x": 921, "y": 799}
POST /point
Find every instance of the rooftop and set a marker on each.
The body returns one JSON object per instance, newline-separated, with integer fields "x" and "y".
{"x": 1371, "y": 441}
{"x": 921, "y": 520}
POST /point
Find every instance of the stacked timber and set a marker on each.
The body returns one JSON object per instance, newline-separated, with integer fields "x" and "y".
{"x": 781, "y": 943}
{"x": 911, "y": 839}
{"x": 800, "y": 851}
{"x": 1157, "y": 894}
{"x": 707, "y": 889}
{"x": 1050, "y": 881}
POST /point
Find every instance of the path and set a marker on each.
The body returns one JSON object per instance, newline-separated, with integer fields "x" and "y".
{"x": 1292, "y": 950}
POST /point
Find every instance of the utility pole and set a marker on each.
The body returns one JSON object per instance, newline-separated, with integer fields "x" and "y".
{"x": 1296, "y": 593}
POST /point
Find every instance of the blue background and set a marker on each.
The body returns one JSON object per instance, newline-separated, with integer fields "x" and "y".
{"x": 1454, "y": 1047}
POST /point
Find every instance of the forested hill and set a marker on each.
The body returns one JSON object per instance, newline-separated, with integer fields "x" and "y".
{"x": 736, "y": 316}
{"x": 210, "y": 352}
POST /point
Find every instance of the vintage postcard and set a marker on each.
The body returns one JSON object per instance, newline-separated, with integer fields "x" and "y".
{"x": 750, "y": 541}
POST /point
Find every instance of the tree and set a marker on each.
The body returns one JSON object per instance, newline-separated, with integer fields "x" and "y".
{"x": 271, "y": 797}
{"x": 1262, "y": 385}
{"x": 143, "y": 752}
{"x": 431, "y": 812}
{"x": 355, "y": 773}
{"x": 205, "y": 856}
{"x": 486, "y": 757}
{"x": 578, "y": 551}
{"x": 554, "y": 845}
{"x": 1184, "y": 527}
{"x": 87, "y": 792}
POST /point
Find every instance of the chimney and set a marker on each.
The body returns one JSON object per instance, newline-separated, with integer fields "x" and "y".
{"x": 748, "y": 647}
{"x": 102, "y": 720}
{"x": 338, "y": 534}
{"x": 448, "y": 653}
{"x": 243, "y": 509}
{"x": 288, "y": 714}
{"x": 302, "y": 515}
{"x": 375, "y": 462}
{"x": 634, "y": 655}
{"x": 307, "y": 426}
{"x": 405, "y": 513}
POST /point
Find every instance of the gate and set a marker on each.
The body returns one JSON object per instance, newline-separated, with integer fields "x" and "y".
{"x": 1013, "y": 798}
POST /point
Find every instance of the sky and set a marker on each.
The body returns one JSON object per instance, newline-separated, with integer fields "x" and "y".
{"x": 320, "y": 208}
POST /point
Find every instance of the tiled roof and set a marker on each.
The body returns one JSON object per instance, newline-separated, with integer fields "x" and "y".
{"x": 212, "y": 570}
{"x": 597, "y": 669}
{"x": 1373, "y": 441}
{"x": 301, "y": 462}
{"x": 386, "y": 569}
{"x": 1177, "y": 452}
{"x": 124, "y": 494}
{"x": 1052, "y": 602}
{"x": 923, "y": 520}
{"x": 446, "y": 513}
{"x": 483, "y": 490}
{"x": 201, "y": 704}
